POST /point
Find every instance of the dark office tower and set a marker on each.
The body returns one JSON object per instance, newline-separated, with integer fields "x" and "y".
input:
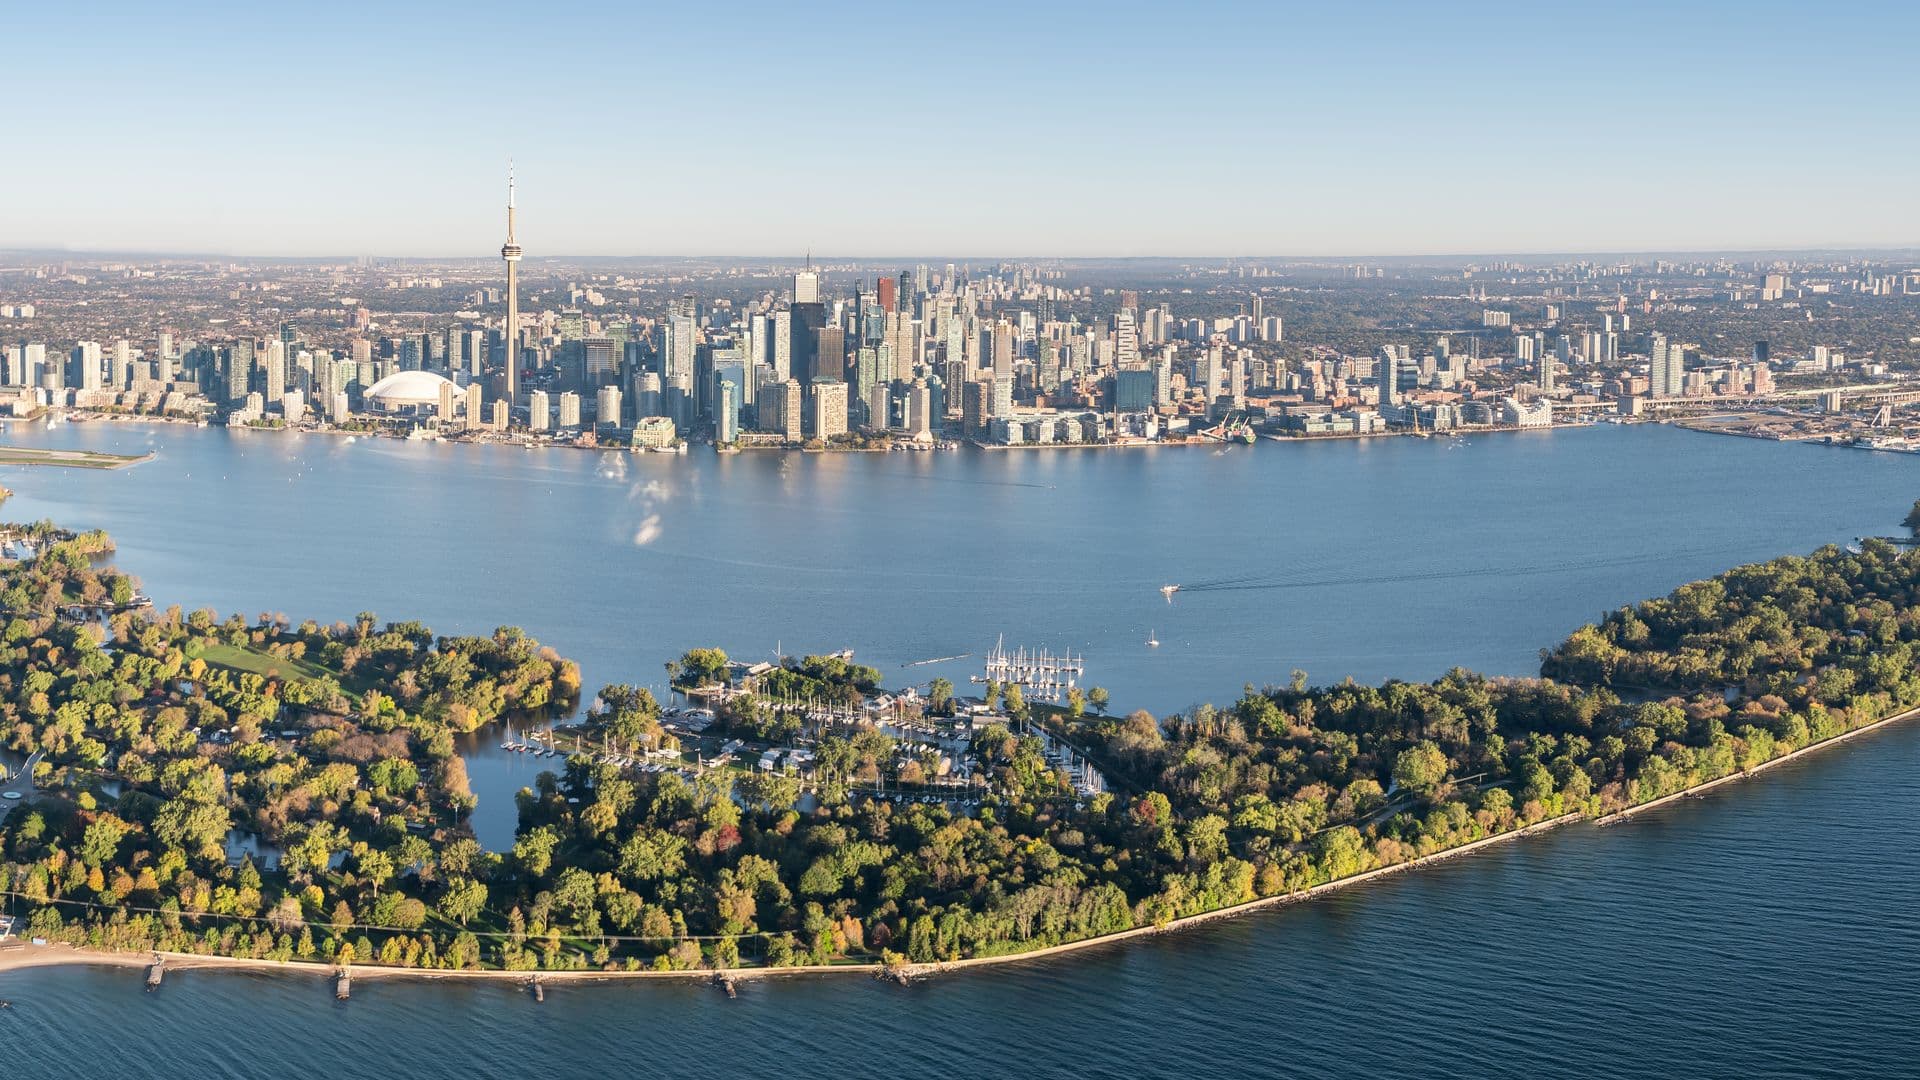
{"x": 889, "y": 302}
{"x": 600, "y": 361}
{"x": 1762, "y": 353}
{"x": 703, "y": 382}
{"x": 571, "y": 359}
{"x": 906, "y": 299}
{"x": 808, "y": 319}
{"x": 833, "y": 352}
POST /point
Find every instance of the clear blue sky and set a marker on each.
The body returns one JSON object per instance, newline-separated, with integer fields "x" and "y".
{"x": 974, "y": 128}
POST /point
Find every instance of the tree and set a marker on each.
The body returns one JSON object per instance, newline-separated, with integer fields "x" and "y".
{"x": 940, "y": 691}
{"x": 102, "y": 840}
{"x": 464, "y": 900}
{"x": 375, "y": 866}
{"x": 1421, "y": 769}
{"x": 534, "y": 851}
{"x": 1097, "y": 700}
{"x": 1912, "y": 521}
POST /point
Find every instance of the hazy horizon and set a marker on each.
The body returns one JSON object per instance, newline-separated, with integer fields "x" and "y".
{"x": 1100, "y": 131}
{"x": 831, "y": 258}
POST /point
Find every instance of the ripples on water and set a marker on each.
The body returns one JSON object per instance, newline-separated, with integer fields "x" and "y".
{"x": 1768, "y": 930}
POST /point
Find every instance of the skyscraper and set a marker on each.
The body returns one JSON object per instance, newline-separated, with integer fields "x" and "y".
{"x": 1667, "y": 370}
{"x": 510, "y": 251}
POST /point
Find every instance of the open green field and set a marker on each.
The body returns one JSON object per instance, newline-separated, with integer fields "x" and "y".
{"x": 74, "y": 459}
{"x": 235, "y": 658}
{"x": 259, "y": 663}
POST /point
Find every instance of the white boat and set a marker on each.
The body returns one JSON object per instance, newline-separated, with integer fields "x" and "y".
{"x": 1152, "y": 641}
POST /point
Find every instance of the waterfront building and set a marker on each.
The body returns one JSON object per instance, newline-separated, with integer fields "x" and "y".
{"x": 975, "y": 398}
{"x": 1531, "y": 414}
{"x": 920, "y": 421}
{"x": 539, "y": 416}
{"x": 653, "y": 432}
{"x": 779, "y": 409}
{"x": 726, "y": 416}
{"x": 409, "y": 393}
{"x": 606, "y": 410}
{"x": 569, "y": 410}
{"x": 475, "y": 406}
{"x": 1667, "y": 370}
{"x": 829, "y": 414}
{"x": 1134, "y": 390}
{"x": 83, "y": 369}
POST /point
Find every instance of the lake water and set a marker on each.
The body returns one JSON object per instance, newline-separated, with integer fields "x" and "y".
{"x": 1766, "y": 930}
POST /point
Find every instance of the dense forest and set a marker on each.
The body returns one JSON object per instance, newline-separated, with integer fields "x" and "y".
{"x": 156, "y": 736}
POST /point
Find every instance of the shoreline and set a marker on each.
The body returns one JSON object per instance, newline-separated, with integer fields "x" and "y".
{"x": 1700, "y": 789}
{"x": 19, "y": 955}
{"x": 23, "y": 956}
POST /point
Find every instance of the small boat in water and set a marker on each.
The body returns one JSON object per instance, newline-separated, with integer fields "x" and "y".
{"x": 1152, "y": 641}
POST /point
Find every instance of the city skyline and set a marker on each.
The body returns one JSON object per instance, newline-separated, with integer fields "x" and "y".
{"x": 1067, "y": 130}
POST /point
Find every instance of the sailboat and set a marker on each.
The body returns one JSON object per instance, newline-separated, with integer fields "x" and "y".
{"x": 1152, "y": 641}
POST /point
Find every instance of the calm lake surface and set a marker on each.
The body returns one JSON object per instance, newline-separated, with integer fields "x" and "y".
{"x": 1766, "y": 930}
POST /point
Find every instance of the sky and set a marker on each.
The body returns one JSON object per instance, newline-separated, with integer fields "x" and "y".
{"x": 1340, "y": 127}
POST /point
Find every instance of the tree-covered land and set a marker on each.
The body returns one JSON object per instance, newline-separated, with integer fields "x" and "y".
{"x": 160, "y": 734}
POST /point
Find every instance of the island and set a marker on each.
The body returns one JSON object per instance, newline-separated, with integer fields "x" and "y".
{"x": 162, "y": 748}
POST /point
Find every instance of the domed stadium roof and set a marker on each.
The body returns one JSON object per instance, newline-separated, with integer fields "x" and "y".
{"x": 407, "y": 388}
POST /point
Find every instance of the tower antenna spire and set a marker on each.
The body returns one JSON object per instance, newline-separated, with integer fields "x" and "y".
{"x": 510, "y": 336}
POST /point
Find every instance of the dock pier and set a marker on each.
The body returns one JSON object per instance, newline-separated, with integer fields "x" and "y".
{"x": 154, "y": 974}
{"x": 343, "y": 986}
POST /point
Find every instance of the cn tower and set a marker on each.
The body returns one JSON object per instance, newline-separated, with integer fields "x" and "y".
{"x": 510, "y": 251}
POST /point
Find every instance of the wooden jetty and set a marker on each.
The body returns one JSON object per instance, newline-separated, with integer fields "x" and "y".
{"x": 539, "y": 989}
{"x": 343, "y": 986}
{"x": 154, "y": 973}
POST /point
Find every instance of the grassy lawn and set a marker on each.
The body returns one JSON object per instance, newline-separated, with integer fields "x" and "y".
{"x": 235, "y": 658}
